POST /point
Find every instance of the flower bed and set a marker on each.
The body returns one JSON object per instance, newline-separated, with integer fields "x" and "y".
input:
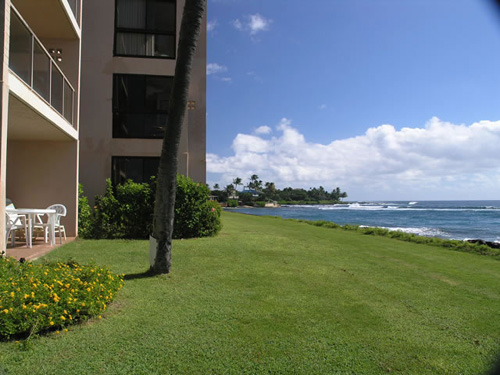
{"x": 35, "y": 298}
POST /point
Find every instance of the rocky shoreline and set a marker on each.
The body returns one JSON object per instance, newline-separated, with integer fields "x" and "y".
{"x": 494, "y": 245}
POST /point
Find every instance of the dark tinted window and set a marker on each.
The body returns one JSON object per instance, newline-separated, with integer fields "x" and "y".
{"x": 137, "y": 169}
{"x": 145, "y": 28}
{"x": 140, "y": 105}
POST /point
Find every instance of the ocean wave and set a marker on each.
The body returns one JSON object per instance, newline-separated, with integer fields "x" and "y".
{"x": 401, "y": 207}
{"x": 423, "y": 231}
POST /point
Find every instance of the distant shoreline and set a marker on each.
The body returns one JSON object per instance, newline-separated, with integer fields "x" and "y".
{"x": 460, "y": 220}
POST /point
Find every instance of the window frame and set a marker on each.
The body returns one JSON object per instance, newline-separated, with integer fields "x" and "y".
{"x": 145, "y": 32}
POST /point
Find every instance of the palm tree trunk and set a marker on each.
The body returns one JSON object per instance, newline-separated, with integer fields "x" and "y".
{"x": 163, "y": 217}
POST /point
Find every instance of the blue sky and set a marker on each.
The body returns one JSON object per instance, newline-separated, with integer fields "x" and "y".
{"x": 387, "y": 99}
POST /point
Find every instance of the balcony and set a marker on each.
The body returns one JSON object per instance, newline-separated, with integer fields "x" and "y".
{"x": 51, "y": 18}
{"x": 33, "y": 64}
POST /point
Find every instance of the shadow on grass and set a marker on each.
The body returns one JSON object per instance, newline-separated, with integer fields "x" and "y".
{"x": 140, "y": 275}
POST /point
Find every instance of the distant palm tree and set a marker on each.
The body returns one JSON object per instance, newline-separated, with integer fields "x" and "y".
{"x": 236, "y": 182}
{"x": 216, "y": 187}
{"x": 229, "y": 189}
{"x": 164, "y": 210}
{"x": 255, "y": 183}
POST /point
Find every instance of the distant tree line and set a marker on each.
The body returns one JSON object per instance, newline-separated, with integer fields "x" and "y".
{"x": 257, "y": 193}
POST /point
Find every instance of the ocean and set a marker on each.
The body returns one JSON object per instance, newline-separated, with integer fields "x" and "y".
{"x": 445, "y": 219}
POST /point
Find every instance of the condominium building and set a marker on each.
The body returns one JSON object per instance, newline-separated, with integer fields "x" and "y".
{"x": 128, "y": 63}
{"x": 118, "y": 72}
{"x": 39, "y": 105}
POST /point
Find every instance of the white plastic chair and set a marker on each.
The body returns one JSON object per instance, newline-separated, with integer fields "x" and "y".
{"x": 13, "y": 222}
{"x": 40, "y": 224}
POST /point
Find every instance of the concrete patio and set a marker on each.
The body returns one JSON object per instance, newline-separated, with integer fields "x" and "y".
{"x": 40, "y": 248}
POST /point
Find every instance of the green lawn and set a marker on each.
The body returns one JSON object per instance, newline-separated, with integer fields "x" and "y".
{"x": 280, "y": 297}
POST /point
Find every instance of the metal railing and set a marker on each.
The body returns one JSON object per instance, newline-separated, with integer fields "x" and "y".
{"x": 75, "y": 8}
{"x": 32, "y": 63}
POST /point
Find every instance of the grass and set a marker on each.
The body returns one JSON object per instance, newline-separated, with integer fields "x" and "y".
{"x": 280, "y": 297}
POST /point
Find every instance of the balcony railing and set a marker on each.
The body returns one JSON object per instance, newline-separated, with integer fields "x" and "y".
{"x": 31, "y": 62}
{"x": 75, "y": 7}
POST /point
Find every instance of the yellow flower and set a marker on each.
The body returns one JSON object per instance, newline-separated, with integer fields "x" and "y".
{"x": 62, "y": 317}
{"x": 51, "y": 323}
{"x": 5, "y": 311}
{"x": 12, "y": 294}
{"x": 57, "y": 332}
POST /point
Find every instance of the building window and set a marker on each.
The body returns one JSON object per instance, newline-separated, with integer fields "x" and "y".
{"x": 145, "y": 28}
{"x": 137, "y": 169}
{"x": 140, "y": 104}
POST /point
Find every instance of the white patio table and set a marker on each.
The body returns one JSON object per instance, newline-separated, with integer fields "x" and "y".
{"x": 30, "y": 213}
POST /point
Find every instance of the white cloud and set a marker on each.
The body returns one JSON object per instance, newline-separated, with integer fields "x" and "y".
{"x": 214, "y": 68}
{"x": 263, "y": 130}
{"x": 237, "y": 24}
{"x": 258, "y": 23}
{"x": 211, "y": 25}
{"x": 226, "y": 79}
{"x": 253, "y": 24}
{"x": 439, "y": 161}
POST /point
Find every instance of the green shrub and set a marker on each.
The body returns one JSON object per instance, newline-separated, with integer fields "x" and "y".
{"x": 136, "y": 208}
{"x": 34, "y": 298}
{"x": 259, "y": 204}
{"x": 126, "y": 211}
{"x": 85, "y": 219}
{"x": 246, "y": 199}
{"x": 108, "y": 221}
{"x": 210, "y": 223}
{"x": 194, "y": 216}
{"x": 232, "y": 203}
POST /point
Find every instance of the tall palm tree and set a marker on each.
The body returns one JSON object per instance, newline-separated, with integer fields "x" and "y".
{"x": 164, "y": 210}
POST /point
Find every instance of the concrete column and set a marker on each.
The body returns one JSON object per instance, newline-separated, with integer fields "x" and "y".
{"x": 4, "y": 105}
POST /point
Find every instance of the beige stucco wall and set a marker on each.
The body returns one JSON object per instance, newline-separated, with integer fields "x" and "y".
{"x": 43, "y": 173}
{"x": 98, "y": 65}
